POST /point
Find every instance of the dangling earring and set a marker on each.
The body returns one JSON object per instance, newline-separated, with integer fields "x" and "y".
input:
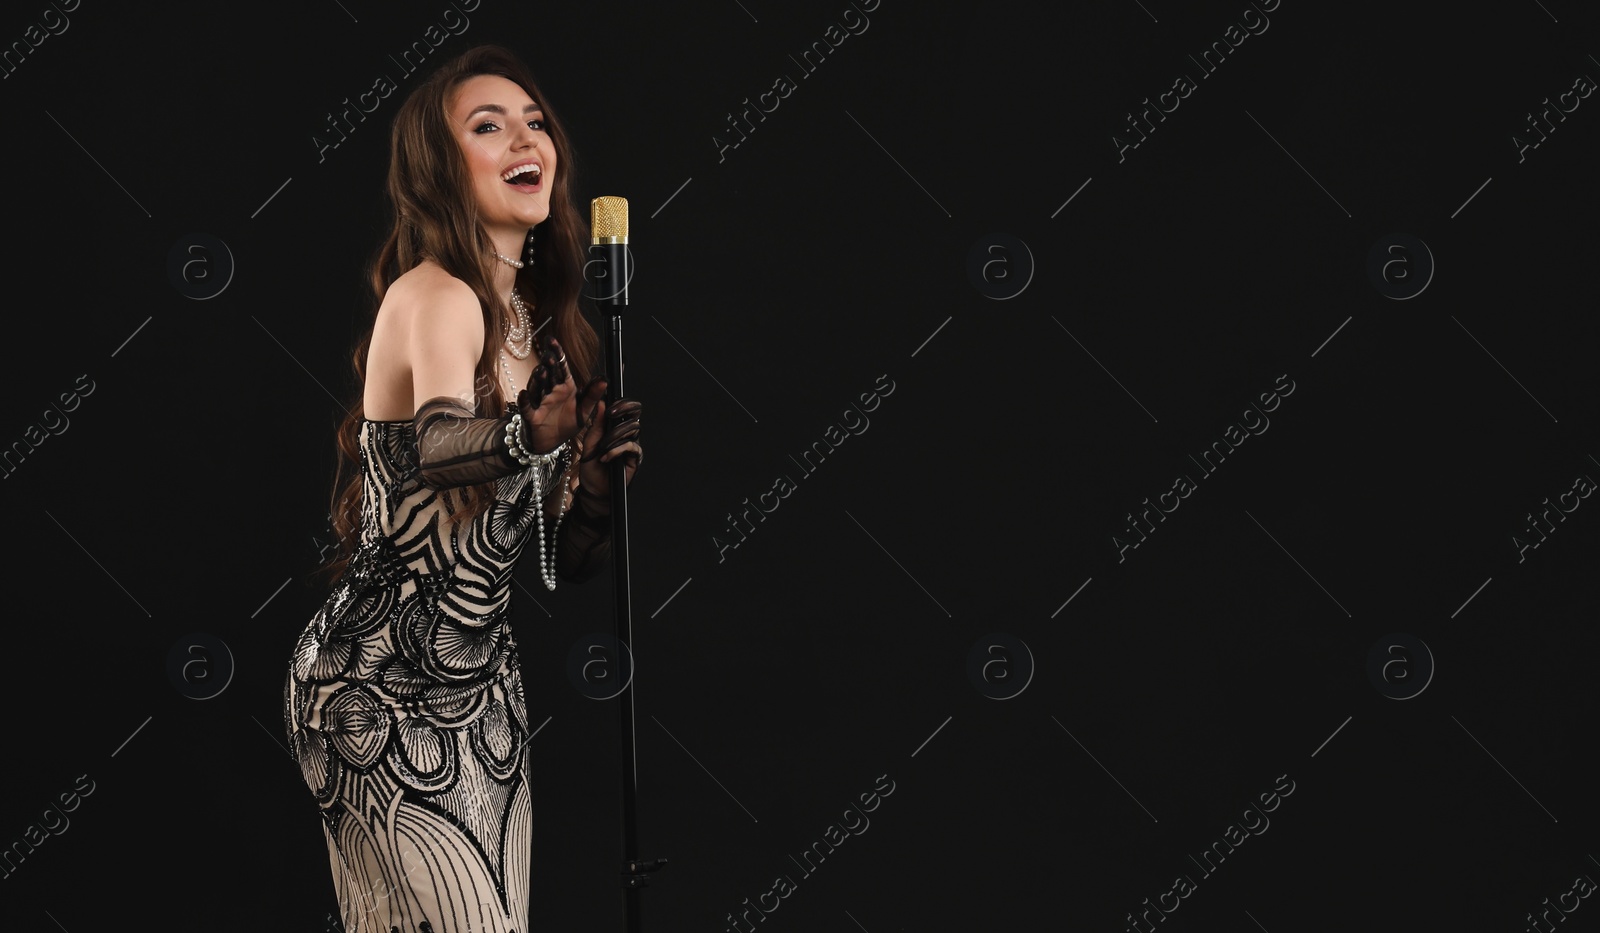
{"x": 530, "y": 247}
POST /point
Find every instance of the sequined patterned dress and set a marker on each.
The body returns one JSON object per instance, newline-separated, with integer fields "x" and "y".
{"x": 404, "y": 701}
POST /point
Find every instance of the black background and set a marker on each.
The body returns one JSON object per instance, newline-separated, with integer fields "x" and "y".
{"x": 776, "y": 684}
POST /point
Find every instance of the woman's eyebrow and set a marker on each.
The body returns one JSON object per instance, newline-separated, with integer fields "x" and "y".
{"x": 496, "y": 108}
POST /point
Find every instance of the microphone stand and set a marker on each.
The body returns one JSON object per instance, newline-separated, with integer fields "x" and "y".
{"x": 609, "y": 224}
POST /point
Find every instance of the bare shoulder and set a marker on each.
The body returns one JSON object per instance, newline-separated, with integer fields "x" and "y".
{"x": 444, "y": 332}
{"x": 425, "y": 342}
{"x": 429, "y": 302}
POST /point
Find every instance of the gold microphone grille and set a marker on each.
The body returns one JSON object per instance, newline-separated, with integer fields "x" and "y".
{"x": 608, "y": 218}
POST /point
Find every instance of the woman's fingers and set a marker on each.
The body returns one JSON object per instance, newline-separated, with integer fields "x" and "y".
{"x": 551, "y": 373}
{"x": 630, "y": 449}
{"x": 622, "y": 424}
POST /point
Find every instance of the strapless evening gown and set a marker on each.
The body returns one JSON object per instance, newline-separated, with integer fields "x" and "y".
{"x": 404, "y": 705}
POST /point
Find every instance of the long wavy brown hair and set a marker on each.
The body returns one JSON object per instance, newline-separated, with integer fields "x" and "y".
{"x": 434, "y": 215}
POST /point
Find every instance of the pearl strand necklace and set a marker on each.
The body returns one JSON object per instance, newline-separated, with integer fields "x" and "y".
{"x": 520, "y": 332}
{"x": 546, "y": 555}
{"x": 547, "y": 571}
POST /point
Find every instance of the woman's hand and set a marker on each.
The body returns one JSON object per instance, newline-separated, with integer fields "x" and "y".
{"x": 551, "y": 403}
{"x": 612, "y": 432}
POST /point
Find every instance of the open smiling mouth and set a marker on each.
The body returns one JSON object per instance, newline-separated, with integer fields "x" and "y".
{"x": 526, "y": 178}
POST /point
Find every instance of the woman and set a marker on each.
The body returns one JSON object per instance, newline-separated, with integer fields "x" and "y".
{"x": 404, "y": 701}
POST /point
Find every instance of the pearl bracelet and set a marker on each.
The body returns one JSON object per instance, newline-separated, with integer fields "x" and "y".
{"x": 517, "y": 445}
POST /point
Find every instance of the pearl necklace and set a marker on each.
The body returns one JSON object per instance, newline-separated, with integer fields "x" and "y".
{"x": 505, "y": 364}
{"x": 521, "y": 332}
{"x": 538, "y": 464}
{"x": 547, "y": 558}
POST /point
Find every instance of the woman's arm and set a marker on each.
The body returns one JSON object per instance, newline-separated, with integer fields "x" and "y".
{"x": 445, "y": 339}
{"x": 584, "y": 547}
{"x": 584, "y": 544}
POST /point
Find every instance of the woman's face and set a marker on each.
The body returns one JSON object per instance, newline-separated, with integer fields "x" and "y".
{"x": 501, "y": 128}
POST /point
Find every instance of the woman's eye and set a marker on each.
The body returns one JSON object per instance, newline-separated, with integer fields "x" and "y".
{"x": 489, "y": 125}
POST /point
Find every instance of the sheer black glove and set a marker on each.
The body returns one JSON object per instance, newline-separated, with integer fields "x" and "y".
{"x": 457, "y": 448}
{"x": 620, "y": 438}
{"x": 585, "y": 543}
{"x": 552, "y": 406}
